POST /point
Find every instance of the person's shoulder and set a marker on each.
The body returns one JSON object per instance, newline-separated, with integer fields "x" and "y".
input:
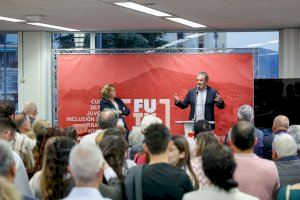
{"x": 211, "y": 89}
{"x": 90, "y": 138}
{"x": 192, "y": 89}
{"x": 244, "y": 196}
{"x": 104, "y": 101}
{"x": 193, "y": 195}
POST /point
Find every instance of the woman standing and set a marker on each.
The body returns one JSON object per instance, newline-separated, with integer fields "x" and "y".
{"x": 179, "y": 156}
{"x": 111, "y": 101}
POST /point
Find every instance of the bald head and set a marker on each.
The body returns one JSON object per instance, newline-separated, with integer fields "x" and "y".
{"x": 108, "y": 118}
{"x": 280, "y": 123}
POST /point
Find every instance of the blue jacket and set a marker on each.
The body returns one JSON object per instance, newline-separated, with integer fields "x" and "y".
{"x": 190, "y": 99}
{"x": 104, "y": 103}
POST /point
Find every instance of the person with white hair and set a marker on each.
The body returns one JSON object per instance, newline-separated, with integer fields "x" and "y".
{"x": 246, "y": 113}
{"x": 280, "y": 125}
{"x": 286, "y": 159}
{"x": 30, "y": 109}
{"x": 149, "y": 120}
{"x": 86, "y": 165}
{"x": 135, "y": 139}
{"x": 294, "y": 131}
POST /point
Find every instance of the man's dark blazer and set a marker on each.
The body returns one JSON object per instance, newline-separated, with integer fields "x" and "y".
{"x": 190, "y": 99}
{"x": 104, "y": 103}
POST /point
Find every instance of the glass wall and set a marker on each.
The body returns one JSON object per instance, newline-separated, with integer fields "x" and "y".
{"x": 70, "y": 40}
{"x": 9, "y": 67}
{"x": 265, "y": 44}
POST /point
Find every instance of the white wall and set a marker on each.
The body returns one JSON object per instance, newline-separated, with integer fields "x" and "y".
{"x": 34, "y": 60}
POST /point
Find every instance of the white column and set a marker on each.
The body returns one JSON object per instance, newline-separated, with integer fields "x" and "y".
{"x": 289, "y": 53}
{"x": 35, "y": 75}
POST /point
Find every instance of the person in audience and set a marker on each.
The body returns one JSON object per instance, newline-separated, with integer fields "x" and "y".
{"x": 200, "y": 126}
{"x": 20, "y": 143}
{"x": 7, "y": 109}
{"x": 286, "y": 159}
{"x": 179, "y": 156}
{"x": 7, "y": 191}
{"x": 30, "y": 109}
{"x": 8, "y": 171}
{"x": 288, "y": 192}
{"x": 158, "y": 179}
{"x": 142, "y": 157}
{"x": 53, "y": 181}
{"x": 294, "y": 130}
{"x": 24, "y": 126}
{"x": 202, "y": 141}
{"x": 107, "y": 118}
{"x": 112, "y": 185}
{"x": 135, "y": 139}
{"x": 255, "y": 176}
{"x": 42, "y": 138}
{"x": 21, "y": 181}
{"x": 114, "y": 147}
{"x": 111, "y": 101}
{"x": 86, "y": 166}
{"x": 246, "y": 113}
{"x": 280, "y": 126}
{"x": 219, "y": 166}
{"x": 72, "y": 133}
{"x": 40, "y": 124}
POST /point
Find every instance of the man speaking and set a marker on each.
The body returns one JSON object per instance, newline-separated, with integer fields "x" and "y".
{"x": 202, "y": 99}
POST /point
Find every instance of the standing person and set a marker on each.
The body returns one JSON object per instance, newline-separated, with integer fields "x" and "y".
{"x": 201, "y": 99}
{"x": 111, "y": 101}
{"x": 219, "y": 166}
{"x": 86, "y": 166}
{"x": 54, "y": 181}
{"x": 246, "y": 113}
{"x": 30, "y": 109}
{"x": 157, "y": 180}
{"x": 255, "y": 176}
{"x": 179, "y": 156}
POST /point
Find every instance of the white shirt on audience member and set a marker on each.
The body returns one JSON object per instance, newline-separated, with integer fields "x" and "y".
{"x": 91, "y": 138}
{"x": 85, "y": 193}
{"x": 21, "y": 181}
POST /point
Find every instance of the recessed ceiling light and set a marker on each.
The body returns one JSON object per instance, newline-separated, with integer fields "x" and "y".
{"x": 186, "y": 22}
{"x": 144, "y": 9}
{"x": 53, "y": 26}
{"x": 9, "y": 19}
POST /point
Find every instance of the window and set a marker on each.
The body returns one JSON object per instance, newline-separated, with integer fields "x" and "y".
{"x": 70, "y": 40}
{"x": 9, "y": 67}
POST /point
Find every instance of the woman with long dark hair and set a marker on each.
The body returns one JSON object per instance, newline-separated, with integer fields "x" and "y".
{"x": 179, "y": 156}
{"x": 54, "y": 181}
{"x": 114, "y": 149}
{"x": 219, "y": 166}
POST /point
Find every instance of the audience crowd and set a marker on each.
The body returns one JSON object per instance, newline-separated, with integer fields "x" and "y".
{"x": 39, "y": 161}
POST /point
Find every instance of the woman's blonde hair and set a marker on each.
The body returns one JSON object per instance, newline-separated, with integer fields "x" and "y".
{"x": 105, "y": 90}
{"x": 7, "y": 191}
{"x": 203, "y": 140}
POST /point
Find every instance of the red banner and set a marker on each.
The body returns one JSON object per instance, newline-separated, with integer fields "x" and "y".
{"x": 147, "y": 84}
